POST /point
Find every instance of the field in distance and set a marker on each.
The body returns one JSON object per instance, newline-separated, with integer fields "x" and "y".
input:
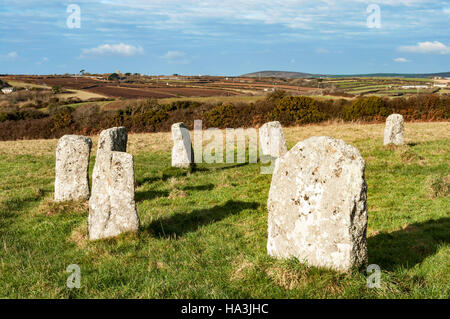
{"x": 133, "y": 86}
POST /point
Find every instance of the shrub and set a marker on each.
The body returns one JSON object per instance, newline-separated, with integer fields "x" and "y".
{"x": 222, "y": 116}
{"x": 62, "y": 118}
{"x": 366, "y": 108}
{"x": 298, "y": 110}
{"x": 113, "y": 77}
{"x": 148, "y": 121}
{"x": 276, "y": 95}
{"x": 182, "y": 105}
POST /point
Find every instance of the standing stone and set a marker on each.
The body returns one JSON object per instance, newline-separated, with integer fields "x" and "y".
{"x": 271, "y": 139}
{"x": 393, "y": 132}
{"x": 317, "y": 205}
{"x": 112, "y": 208}
{"x": 113, "y": 139}
{"x": 72, "y": 168}
{"x": 182, "y": 152}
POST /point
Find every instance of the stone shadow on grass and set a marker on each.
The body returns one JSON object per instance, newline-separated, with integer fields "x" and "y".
{"x": 222, "y": 167}
{"x": 206, "y": 187}
{"x": 169, "y": 173}
{"x": 181, "y": 223}
{"x": 410, "y": 246}
{"x": 141, "y": 196}
{"x": 180, "y": 172}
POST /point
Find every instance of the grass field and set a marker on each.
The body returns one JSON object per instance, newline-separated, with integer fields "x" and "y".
{"x": 203, "y": 233}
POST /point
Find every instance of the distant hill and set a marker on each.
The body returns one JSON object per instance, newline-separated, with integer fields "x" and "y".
{"x": 280, "y": 74}
{"x": 301, "y": 75}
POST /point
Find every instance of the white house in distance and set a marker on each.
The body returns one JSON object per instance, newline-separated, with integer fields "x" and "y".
{"x": 406, "y": 87}
{"x": 440, "y": 85}
{"x": 8, "y": 90}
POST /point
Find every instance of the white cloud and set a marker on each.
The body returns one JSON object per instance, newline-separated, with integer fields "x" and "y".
{"x": 401, "y": 60}
{"x": 9, "y": 56}
{"x": 322, "y": 51}
{"x": 43, "y": 60}
{"x": 435, "y": 47}
{"x": 12, "y": 55}
{"x": 175, "y": 57}
{"x": 114, "y": 49}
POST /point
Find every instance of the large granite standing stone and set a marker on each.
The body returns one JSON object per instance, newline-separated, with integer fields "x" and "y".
{"x": 317, "y": 205}
{"x": 113, "y": 139}
{"x": 272, "y": 140}
{"x": 393, "y": 132}
{"x": 72, "y": 168}
{"x": 182, "y": 152}
{"x": 112, "y": 208}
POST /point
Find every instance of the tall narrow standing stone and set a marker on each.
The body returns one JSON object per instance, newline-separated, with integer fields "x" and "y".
{"x": 112, "y": 208}
{"x": 182, "y": 152}
{"x": 317, "y": 205}
{"x": 72, "y": 168}
{"x": 393, "y": 132}
{"x": 271, "y": 139}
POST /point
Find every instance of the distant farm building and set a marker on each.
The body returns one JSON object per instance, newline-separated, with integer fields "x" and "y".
{"x": 407, "y": 87}
{"x": 8, "y": 90}
{"x": 440, "y": 85}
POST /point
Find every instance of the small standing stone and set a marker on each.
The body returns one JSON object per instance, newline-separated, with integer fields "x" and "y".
{"x": 317, "y": 205}
{"x": 112, "y": 208}
{"x": 393, "y": 132}
{"x": 72, "y": 168}
{"x": 113, "y": 139}
{"x": 271, "y": 139}
{"x": 182, "y": 152}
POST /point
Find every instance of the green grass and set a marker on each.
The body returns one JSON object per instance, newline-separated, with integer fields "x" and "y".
{"x": 203, "y": 233}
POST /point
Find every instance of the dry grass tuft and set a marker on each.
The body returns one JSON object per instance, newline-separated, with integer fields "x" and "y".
{"x": 288, "y": 279}
{"x": 49, "y": 207}
{"x": 242, "y": 267}
{"x": 177, "y": 193}
{"x": 391, "y": 147}
{"x": 407, "y": 155}
{"x": 80, "y": 234}
{"x": 438, "y": 186}
{"x": 156, "y": 265}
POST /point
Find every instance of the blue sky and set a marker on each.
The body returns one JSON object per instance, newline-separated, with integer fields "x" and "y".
{"x": 226, "y": 37}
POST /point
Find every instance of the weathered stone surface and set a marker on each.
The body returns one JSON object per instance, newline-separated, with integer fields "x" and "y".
{"x": 317, "y": 205}
{"x": 272, "y": 140}
{"x": 393, "y": 132}
{"x": 113, "y": 139}
{"x": 72, "y": 168}
{"x": 112, "y": 208}
{"x": 182, "y": 152}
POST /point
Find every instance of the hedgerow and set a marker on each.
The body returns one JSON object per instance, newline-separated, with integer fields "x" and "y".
{"x": 151, "y": 116}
